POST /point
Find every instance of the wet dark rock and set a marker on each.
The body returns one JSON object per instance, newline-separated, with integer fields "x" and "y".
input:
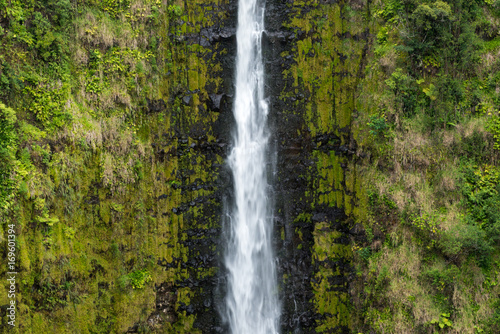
{"x": 357, "y": 230}
{"x": 343, "y": 149}
{"x": 188, "y": 308}
{"x": 279, "y": 36}
{"x": 166, "y": 299}
{"x": 319, "y": 217}
{"x": 155, "y": 106}
{"x": 215, "y": 101}
{"x": 295, "y": 167}
{"x": 187, "y": 100}
{"x": 225, "y": 33}
{"x": 103, "y": 285}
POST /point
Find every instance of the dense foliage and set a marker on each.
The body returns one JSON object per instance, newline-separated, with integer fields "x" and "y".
{"x": 431, "y": 257}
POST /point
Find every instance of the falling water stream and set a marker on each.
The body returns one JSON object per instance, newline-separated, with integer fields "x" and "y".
{"x": 251, "y": 303}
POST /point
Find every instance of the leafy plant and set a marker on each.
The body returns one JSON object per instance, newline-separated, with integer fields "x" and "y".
{"x": 8, "y": 148}
{"x": 47, "y": 104}
{"x": 49, "y": 221}
{"x": 493, "y": 127}
{"x": 174, "y": 11}
{"x": 117, "y": 207}
{"x": 465, "y": 240}
{"x": 113, "y": 7}
{"x": 405, "y": 91}
{"x": 427, "y": 227}
{"x": 136, "y": 279}
{"x": 69, "y": 232}
{"x": 443, "y": 321}
{"x": 365, "y": 253}
{"x": 378, "y": 125}
{"x": 442, "y": 279}
{"x": 48, "y": 295}
{"x": 481, "y": 191}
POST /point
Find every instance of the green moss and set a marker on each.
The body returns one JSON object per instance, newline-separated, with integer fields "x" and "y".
{"x": 327, "y": 61}
{"x": 102, "y": 187}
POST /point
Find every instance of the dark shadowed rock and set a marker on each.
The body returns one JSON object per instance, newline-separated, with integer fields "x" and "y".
{"x": 155, "y": 106}
{"x": 215, "y": 101}
{"x": 187, "y": 100}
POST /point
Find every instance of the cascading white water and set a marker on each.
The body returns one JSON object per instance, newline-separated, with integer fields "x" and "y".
{"x": 252, "y": 303}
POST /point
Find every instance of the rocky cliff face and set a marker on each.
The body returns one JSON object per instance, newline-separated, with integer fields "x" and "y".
{"x": 120, "y": 226}
{"x": 316, "y": 54}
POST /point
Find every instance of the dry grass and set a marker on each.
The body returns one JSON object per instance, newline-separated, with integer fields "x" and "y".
{"x": 404, "y": 264}
{"x": 84, "y": 126}
{"x": 400, "y": 197}
{"x": 424, "y": 177}
{"x": 80, "y": 56}
{"x": 474, "y": 125}
{"x": 465, "y": 295}
{"x": 450, "y": 138}
{"x": 412, "y": 149}
{"x": 140, "y": 10}
{"x": 388, "y": 61}
{"x": 100, "y": 31}
{"x": 107, "y": 175}
{"x": 452, "y": 217}
{"x": 490, "y": 58}
{"x": 120, "y": 147}
{"x": 115, "y": 96}
{"x": 95, "y": 32}
{"x": 448, "y": 182}
{"x": 403, "y": 261}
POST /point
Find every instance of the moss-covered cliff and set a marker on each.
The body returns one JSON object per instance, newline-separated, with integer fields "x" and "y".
{"x": 115, "y": 122}
{"x": 113, "y": 171}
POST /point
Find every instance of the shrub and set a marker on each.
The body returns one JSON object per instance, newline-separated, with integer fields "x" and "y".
{"x": 378, "y": 125}
{"x": 8, "y": 148}
{"x": 480, "y": 189}
{"x": 426, "y": 227}
{"x": 405, "y": 91}
{"x": 48, "y": 105}
{"x": 174, "y": 11}
{"x": 467, "y": 240}
{"x": 48, "y": 295}
{"x": 494, "y": 128}
{"x": 442, "y": 279}
{"x": 365, "y": 253}
{"x": 136, "y": 279}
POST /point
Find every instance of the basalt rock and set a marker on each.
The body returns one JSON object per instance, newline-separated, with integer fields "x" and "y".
{"x": 155, "y": 106}
{"x": 216, "y": 100}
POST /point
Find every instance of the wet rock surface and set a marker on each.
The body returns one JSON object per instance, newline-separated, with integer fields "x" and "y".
{"x": 294, "y": 161}
{"x": 302, "y": 219}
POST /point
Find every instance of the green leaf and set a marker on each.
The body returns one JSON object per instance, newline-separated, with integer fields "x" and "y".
{"x": 50, "y": 221}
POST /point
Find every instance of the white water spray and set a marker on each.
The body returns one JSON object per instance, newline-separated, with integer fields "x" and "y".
{"x": 251, "y": 303}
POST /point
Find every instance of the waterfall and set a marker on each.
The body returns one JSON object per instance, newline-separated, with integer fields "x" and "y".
{"x": 252, "y": 305}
